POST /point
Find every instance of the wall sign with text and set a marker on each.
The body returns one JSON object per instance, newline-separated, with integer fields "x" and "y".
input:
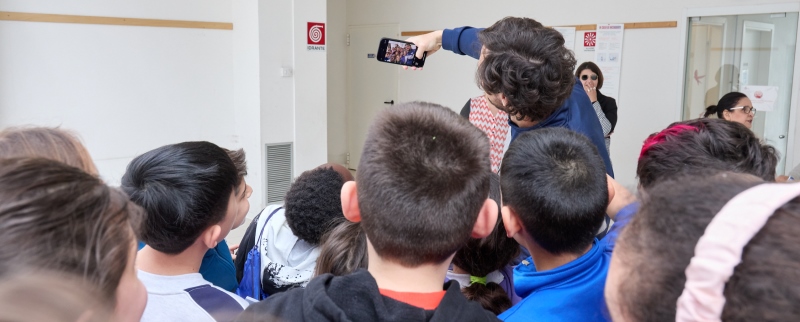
{"x": 316, "y": 36}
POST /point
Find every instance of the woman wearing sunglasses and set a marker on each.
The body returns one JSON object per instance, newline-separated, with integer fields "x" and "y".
{"x": 735, "y": 107}
{"x": 606, "y": 107}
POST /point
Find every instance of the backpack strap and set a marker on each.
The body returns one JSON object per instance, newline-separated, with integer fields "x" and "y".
{"x": 258, "y": 241}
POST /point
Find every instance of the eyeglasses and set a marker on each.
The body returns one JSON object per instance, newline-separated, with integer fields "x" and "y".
{"x": 745, "y": 109}
{"x": 585, "y": 77}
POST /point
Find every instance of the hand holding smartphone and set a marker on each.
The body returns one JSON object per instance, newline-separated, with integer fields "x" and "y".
{"x": 399, "y": 52}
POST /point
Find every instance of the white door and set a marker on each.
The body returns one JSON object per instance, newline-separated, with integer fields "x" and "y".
{"x": 371, "y": 85}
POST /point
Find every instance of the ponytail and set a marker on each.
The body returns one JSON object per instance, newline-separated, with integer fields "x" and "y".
{"x": 490, "y": 296}
{"x": 711, "y": 110}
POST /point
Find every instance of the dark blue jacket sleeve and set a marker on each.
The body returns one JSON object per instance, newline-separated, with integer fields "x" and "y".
{"x": 462, "y": 41}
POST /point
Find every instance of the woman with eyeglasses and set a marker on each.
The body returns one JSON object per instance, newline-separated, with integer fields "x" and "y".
{"x": 606, "y": 107}
{"x": 735, "y": 107}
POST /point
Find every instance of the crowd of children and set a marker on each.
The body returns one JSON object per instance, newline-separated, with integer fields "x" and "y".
{"x": 428, "y": 230}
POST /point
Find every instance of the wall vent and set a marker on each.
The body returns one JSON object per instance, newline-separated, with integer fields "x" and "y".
{"x": 279, "y": 171}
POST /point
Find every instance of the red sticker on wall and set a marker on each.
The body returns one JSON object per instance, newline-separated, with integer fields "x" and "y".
{"x": 589, "y": 39}
{"x": 316, "y": 33}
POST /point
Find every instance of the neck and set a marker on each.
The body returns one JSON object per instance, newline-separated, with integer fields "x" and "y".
{"x": 546, "y": 261}
{"x": 155, "y": 262}
{"x": 493, "y": 109}
{"x": 523, "y": 123}
{"x": 390, "y": 275}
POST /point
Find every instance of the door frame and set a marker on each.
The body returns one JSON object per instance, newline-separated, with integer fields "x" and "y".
{"x": 348, "y": 68}
{"x": 683, "y": 27}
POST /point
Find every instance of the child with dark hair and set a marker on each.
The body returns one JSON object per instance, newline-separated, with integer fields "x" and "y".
{"x": 290, "y": 233}
{"x": 482, "y": 267}
{"x": 719, "y": 249}
{"x": 555, "y": 195}
{"x": 192, "y": 194}
{"x": 423, "y": 182}
{"x": 695, "y": 147}
{"x": 343, "y": 249}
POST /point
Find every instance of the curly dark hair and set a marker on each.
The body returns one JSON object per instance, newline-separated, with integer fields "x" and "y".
{"x": 528, "y": 63}
{"x": 313, "y": 200}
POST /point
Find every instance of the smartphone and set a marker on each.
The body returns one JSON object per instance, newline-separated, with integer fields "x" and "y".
{"x": 399, "y": 52}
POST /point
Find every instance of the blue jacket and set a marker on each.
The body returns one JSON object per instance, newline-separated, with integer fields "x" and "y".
{"x": 572, "y": 292}
{"x": 576, "y": 113}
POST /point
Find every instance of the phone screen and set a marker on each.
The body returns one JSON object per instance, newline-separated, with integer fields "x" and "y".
{"x": 399, "y": 52}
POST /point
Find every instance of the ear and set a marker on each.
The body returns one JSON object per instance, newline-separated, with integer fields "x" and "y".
{"x": 503, "y": 99}
{"x": 726, "y": 115}
{"x": 211, "y": 236}
{"x": 487, "y": 218}
{"x": 350, "y": 202}
{"x": 611, "y": 190}
{"x": 511, "y": 221}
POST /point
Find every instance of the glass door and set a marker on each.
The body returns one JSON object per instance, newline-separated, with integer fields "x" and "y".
{"x": 727, "y": 53}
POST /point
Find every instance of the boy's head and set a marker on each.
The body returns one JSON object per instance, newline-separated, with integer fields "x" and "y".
{"x": 648, "y": 269}
{"x": 554, "y": 184}
{"x": 60, "y": 218}
{"x": 314, "y": 200}
{"x": 697, "y": 147}
{"x": 188, "y": 190}
{"x": 525, "y": 68}
{"x": 423, "y": 183}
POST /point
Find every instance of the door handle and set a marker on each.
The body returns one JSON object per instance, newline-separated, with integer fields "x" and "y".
{"x": 781, "y": 136}
{"x": 389, "y": 102}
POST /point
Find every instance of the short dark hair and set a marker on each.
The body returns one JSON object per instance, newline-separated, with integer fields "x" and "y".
{"x": 59, "y": 218}
{"x": 422, "y": 179}
{"x": 726, "y": 102}
{"x": 702, "y": 145}
{"x": 479, "y": 257}
{"x": 313, "y": 200}
{"x": 594, "y": 68}
{"x": 555, "y": 180}
{"x": 659, "y": 242}
{"x": 185, "y": 188}
{"x": 528, "y": 63}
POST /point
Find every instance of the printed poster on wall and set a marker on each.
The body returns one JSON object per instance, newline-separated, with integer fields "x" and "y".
{"x": 584, "y": 45}
{"x": 569, "y": 36}
{"x": 608, "y": 56}
{"x": 763, "y": 97}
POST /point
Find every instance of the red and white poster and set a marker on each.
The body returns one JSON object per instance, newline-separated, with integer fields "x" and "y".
{"x": 316, "y": 36}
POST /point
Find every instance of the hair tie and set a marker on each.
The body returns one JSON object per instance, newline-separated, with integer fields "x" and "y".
{"x": 479, "y": 280}
{"x": 720, "y": 248}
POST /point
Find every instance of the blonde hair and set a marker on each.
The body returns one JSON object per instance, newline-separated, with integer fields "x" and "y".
{"x": 46, "y": 142}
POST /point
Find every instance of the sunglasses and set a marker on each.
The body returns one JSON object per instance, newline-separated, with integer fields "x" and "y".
{"x": 745, "y": 109}
{"x": 585, "y": 77}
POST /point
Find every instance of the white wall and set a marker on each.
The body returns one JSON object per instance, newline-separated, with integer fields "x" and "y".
{"x": 337, "y": 66}
{"x": 125, "y": 89}
{"x": 649, "y": 90}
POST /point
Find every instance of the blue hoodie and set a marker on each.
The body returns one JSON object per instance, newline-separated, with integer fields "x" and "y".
{"x": 576, "y": 113}
{"x": 572, "y": 292}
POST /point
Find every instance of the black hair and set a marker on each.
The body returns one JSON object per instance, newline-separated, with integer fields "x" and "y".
{"x": 185, "y": 188}
{"x": 555, "y": 181}
{"x": 725, "y": 103}
{"x": 422, "y": 180}
{"x": 313, "y": 200}
{"x": 479, "y": 257}
{"x": 528, "y": 63}
{"x": 702, "y": 145}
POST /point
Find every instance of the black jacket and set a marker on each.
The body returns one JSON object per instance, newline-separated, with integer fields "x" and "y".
{"x": 356, "y": 297}
{"x": 609, "y": 107}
